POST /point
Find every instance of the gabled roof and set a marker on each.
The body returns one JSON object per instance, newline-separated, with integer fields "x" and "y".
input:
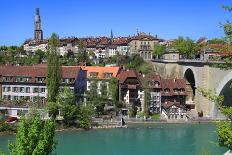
{"x": 127, "y": 74}
{"x": 37, "y": 71}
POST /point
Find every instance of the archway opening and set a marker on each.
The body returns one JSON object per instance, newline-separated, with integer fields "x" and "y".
{"x": 191, "y": 85}
{"x": 227, "y": 93}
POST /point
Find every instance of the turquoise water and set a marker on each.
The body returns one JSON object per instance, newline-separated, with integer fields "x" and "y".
{"x": 161, "y": 139}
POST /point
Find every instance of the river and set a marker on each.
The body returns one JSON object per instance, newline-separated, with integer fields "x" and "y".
{"x": 157, "y": 139}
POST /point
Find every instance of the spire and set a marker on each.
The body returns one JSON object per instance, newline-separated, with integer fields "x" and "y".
{"x": 38, "y": 33}
{"x": 111, "y": 34}
{"x": 37, "y": 11}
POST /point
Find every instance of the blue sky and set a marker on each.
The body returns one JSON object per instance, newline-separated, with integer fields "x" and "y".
{"x": 166, "y": 18}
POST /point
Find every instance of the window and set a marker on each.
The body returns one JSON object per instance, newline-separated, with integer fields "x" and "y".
{"x": 21, "y": 89}
{"x": 16, "y": 98}
{"x": 40, "y": 79}
{"x": 6, "y": 79}
{"x": 42, "y": 90}
{"x": 4, "y": 89}
{"x": 93, "y": 74}
{"x": 36, "y": 90}
{"x": 108, "y": 75}
{"x": 15, "y": 89}
{"x": 27, "y": 89}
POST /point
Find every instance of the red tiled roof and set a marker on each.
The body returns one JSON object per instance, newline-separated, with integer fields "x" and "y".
{"x": 126, "y": 74}
{"x": 37, "y": 71}
{"x": 100, "y": 71}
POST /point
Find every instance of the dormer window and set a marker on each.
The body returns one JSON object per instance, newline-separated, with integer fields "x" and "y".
{"x": 156, "y": 84}
{"x": 108, "y": 75}
{"x": 7, "y": 78}
{"x": 175, "y": 91}
{"x": 93, "y": 74}
{"x": 22, "y": 79}
{"x": 167, "y": 90}
{"x": 68, "y": 80}
{"x": 182, "y": 90}
{"x": 40, "y": 79}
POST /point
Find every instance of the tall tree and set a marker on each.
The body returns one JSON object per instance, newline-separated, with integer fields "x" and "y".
{"x": 113, "y": 86}
{"x": 158, "y": 50}
{"x": 67, "y": 103}
{"x": 53, "y": 68}
{"x": 34, "y": 137}
{"x": 186, "y": 46}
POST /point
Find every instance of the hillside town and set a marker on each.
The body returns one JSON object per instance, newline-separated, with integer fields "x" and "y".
{"x": 140, "y": 92}
{"x": 100, "y": 77}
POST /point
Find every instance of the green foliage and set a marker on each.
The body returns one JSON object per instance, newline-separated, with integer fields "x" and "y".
{"x": 133, "y": 111}
{"x": 224, "y": 132}
{"x": 158, "y": 50}
{"x": 34, "y": 137}
{"x": 53, "y": 69}
{"x": 53, "y": 109}
{"x": 113, "y": 86}
{"x": 67, "y": 103}
{"x": 216, "y": 41}
{"x": 85, "y": 116}
{"x": 155, "y": 116}
{"x": 6, "y": 127}
{"x": 147, "y": 98}
{"x": 187, "y": 47}
{"x": 82, "y": 55}
{"x": 224, "y": 129}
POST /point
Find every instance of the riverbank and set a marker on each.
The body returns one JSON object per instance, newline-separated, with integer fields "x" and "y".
{"x": 114, "y": 124}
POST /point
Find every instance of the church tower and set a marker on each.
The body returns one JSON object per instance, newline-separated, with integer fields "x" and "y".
{"x": 38, "y": 33}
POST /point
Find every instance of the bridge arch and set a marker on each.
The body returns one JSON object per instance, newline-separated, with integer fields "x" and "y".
{"x": 224, "y": 89}
{"x": 190, "y": 77}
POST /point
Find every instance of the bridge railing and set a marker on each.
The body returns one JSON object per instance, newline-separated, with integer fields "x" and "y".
{"x": 188, "y": 60}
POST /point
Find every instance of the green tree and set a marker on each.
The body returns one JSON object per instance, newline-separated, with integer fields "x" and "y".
{"x": 158, "y": 50}
{"x": 113, "y": 86}
{"x": 34, "y": 137}
{"x": 53, "y": 68}
{"x": 67, "y": 103}
{"x": 40, "y": 55}
{"x": 85, "y": 116}
{"x": 187, "y": 47}
{"x": 53, "y": 109}
{"x": 147, "y": 98}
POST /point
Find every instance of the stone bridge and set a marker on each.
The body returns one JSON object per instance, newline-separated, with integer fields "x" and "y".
{"x": 200, "y": 74}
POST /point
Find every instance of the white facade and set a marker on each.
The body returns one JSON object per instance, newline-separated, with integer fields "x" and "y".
{"x": 99, "y": 84}
{"x": 33, "y": 48}
{"x": 28, "y": 92}
{"x": 112, "y": 52}
{"x": 69, "y": 47}
{"x": 123, "y": 50}
{"x": 155, "y": 102}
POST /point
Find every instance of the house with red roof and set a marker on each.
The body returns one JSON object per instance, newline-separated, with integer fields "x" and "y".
{"x": 29, "y": 82}
{"x": 101, "y": 74}
{"x": 166, "y": 96}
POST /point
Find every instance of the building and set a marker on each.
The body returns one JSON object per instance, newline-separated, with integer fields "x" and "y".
{"x": 159, "y": 95}
{"x": 143, "y": 45}
{"x": 38, "y": 33}
{"x": 29, "y": 82}
{"x": 173, "y": 98}
{"x": 130, "y": 89}
{"x": 101, "y": 74}
{"x": 171, "y": 54}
